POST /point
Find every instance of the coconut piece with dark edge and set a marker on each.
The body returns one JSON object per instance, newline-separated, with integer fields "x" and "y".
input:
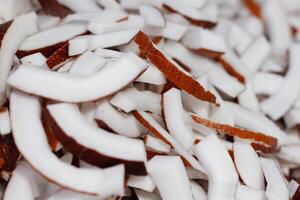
{"x": 94, "y": 145}
{"x": 31, "y": 140}
{"x": 173, "y": 72}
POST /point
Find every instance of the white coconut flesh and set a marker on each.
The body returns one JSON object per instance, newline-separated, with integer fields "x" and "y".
{"x": 175, "y": 118}
{"x": 121, "y": 123}
{"x": 5, "y": 124}
{"x": 104, "y": 143}
{"x": 75, "y": 88}
{"x": 39, "y": 155}
{"x": 215, "y": 159}
{"x": 165, "y": 170}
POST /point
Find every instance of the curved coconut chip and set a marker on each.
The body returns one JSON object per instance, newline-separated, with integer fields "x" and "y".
{"x": 194, "y": 16}
{"x": 197, "y": 191}
{"x": 25, "y": 114}
{"x": 75, "y": 88}
{"x": 276, "y": 186}
{"x": 204, "y": 42}
{"x": 52, "y": 7}
{"x": 215, "y": 158}
{"x": 253, "y": 7}
{"x": 265, "y": 83}
{"x": 49, "y": 41}
{"x": 248, "y": 165}
{"x": 158, "y": 131}
{"x": 172, "y": 71}
{"x": 260, "y": 142}
{"x": 36, "y": 59}
{"x": 95, "y": 146}
{"x": 131, "y": 99}
{"x": 163, "y": 170}
{"x": 175, "y": 118}
{"x": 153, "y": 76}
{"x": 121, "y": 123}
{"x": 5, "y": 125}
{"x": 21, "y": 27}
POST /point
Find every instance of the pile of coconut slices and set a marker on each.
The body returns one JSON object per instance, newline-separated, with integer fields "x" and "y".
{"x": 150, "y": 99}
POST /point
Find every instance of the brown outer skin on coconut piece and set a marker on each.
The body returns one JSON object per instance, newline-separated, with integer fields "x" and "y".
{"x": 253, "y": 7}
{"x": 230, "y": 70}
{"x": 208, "y": 53}
{"x": 170, "y": 71}
{"x": 3, "y": 28}
{"x": 197, "y": 22}
{"x": 59, "y": 56}
{"x": 90, "y": 156}
{"x": 52, "y": 7}
{"x": 9, "y": 154}
{"x": 271, "y": 142}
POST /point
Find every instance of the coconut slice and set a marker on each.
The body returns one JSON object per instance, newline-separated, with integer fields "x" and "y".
{"x": 290, "y": 153}
{"x": 171, "y": 31}
{"x": 91, "y": 42}
{"x": 253, "y": 25}
{"x": 87, "y": 64}
{"x": 272, "y": 65}
{"x": 248, "y": 99}
{"x": 277, "y": 27}
{"x": 5, "y": 125}
{"x": 172, "y": 70}
{"x": 85, "y": 6}
{"x": 248, "y": 193}
{"x": 207, "y": 17}
{"x": 255, "y": 121}
{"x": 248, "y": 165}
{"x": 156, "y": 145}
{"x": 234, "y": 66}
{"x": 153, "y": 76}
{"x": 52, "y": 7}
{"x": 95, "y": 146}
{"x": 158, "y": 131}
{"x": 131, "y": 99}
{"x": 20, "y": 180}
{"x": 50, "y": 40}
{"x": 224, "y": 82}
{"x": 215, "y": 158}
{"x": 119, "y": 122}
{"x": 163, "y": 170}
{"x": 141, "y": 182}
{"x": 256, "y": 53}
{"x": 197, "y": 191}
{"x": 204, "y": 42}
{"x": 175, "y": 117}
{"x": 276, "y": 186}
{"x": 39, "y": 155}
{"x": 261, "y": 141}
{"x": 36, "y": 59}
{"x": 74, "y": 88}
{"x": 266, "y": 83}
{"x": 13, "y": 37}
{"x": 288, "y": 91}
{"x": 152, "y": 16}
